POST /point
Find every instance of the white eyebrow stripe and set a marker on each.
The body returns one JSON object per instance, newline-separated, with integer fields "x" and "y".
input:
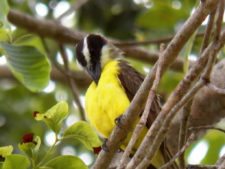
{"x": 85, "y": 51}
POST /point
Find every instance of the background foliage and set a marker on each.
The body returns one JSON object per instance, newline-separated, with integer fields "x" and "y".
{"x": 29, "y": 59}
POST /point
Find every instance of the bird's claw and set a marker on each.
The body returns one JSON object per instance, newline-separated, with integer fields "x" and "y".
{"x": 104, "y": 146}
{"x": 118, "y": 121}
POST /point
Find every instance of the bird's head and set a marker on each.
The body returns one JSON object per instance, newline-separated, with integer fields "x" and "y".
{"x": 93, "y": 53}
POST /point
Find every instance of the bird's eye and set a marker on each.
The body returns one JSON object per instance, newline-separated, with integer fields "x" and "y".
{"x": 91, "y": 50}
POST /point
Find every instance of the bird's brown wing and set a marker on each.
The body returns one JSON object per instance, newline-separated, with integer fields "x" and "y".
{"x": 131, "y": 80}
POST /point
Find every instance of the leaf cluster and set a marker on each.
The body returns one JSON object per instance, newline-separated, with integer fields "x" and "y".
{"x": 31, "y": 144}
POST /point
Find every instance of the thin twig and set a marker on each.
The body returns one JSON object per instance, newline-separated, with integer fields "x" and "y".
{"x": 221, "y": 162}
{"x": 72, "y": 82}
{"x": 216, "y": 89}
{"x": 190, "y": 140}
{"x": 208, "y": 30}
{"x": 219, "y": 20}
{"x": 78, "y": 4}
{"x": 148, "y": 42}
{"x": 183, "y": 131}
{"x": 206, "y": 128}
{"x": 201, "y": 167}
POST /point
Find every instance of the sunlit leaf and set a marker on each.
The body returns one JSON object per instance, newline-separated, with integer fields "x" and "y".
{"x": 4, "y": 35}
{"x": 66, "y": 162}
{"x": 44, "y": 167}
{"x": 28, "y": 65}
{"x": 27, "y": 39}
{"x": 4, "y": 9}
{"x": 212, "y": 155}
{"x": 54, "y": 116}
{"x": 16, "y": 161}
{"x": 213, "y": 137}
{"x": 6, "y": 150}
{"x": 83, "y": 132}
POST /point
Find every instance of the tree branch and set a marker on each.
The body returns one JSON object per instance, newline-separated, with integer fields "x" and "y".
{"x": 181, "y": 151}
{"x": 173, "y": 105}
{"x": 147, "y": 42}
{"x": 201, "y": 167}
{"x": 51, "y": 29}
{"x": 72, "y": 83}
{"x": 208, "y": 30}
{"x": 81, "y": 78}
{"x": 142, "y": 122}
{"x": 169, "y": 55}
{"x": 183, "y": 131}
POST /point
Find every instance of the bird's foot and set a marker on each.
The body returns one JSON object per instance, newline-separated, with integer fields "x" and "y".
{"x": 104, "y": 146}
{"x": 119, "y": 150}
{"x": 118, "y": 121}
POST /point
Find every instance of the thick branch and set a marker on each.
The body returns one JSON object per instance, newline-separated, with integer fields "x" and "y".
{"x": 169, "y": 55}
{"x": 80, "y": 77}
{"x": 62, "y": 34}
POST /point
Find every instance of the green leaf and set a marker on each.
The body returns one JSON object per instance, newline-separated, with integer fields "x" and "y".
{"x": 28, "y": 65}
{"x": 83, "y": 132}
{"x": 1, "y": 165}
{"x": 54, "y": 116}
{"x": 6, "y": 150}
{"x": 27, "y": 39}
{"x": 212, "y": 137}
{"x": 31, "y": 148}
{"x": 14, "y": 161}
{"x": 169, "y": 81}
{"x": 66, "y": 162}
{"x": 4, "y": 35}
{"x": 4, "y": 9}
{"x": 161, "y": 17}
{"x": 45, "y": 167}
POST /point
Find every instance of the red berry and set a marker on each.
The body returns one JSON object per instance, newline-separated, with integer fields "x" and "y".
{"x": 35, "y": 113}
{"x": 97, "y": 150}
{"x": 28, "y": 138}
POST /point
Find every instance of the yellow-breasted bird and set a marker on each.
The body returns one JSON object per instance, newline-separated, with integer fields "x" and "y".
{"x": 114, "y": 85}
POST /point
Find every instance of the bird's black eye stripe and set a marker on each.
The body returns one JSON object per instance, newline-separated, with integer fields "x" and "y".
{"x": 95, "y": 44}
{"x": 80, "y": 56}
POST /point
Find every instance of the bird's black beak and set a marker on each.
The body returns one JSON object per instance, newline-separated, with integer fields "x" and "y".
{"x": 95, "y": 72}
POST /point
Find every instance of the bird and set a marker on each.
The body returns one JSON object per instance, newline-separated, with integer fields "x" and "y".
{"x": 115, "y": 82}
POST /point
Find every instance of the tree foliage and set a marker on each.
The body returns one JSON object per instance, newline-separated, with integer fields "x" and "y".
{"x": 33, "y": 74}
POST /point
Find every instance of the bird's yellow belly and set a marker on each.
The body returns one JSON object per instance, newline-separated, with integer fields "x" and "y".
{"x": 104, "y": 103}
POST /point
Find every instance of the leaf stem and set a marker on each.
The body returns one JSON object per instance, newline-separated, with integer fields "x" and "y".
{"x": 48, "y": 153}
